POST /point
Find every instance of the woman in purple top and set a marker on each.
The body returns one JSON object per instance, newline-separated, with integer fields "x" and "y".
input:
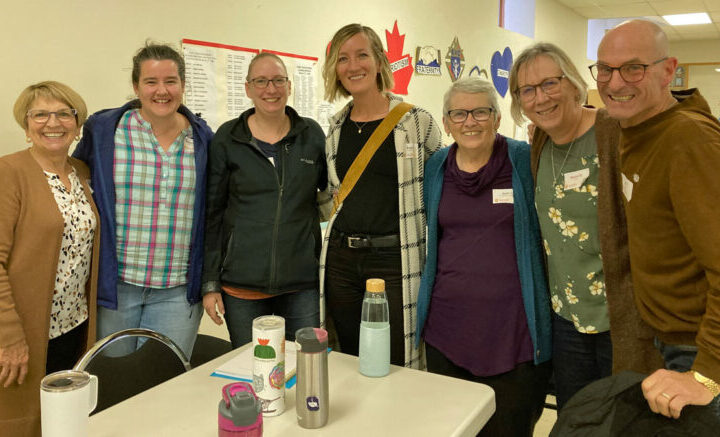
{"x": 483, "y": 308}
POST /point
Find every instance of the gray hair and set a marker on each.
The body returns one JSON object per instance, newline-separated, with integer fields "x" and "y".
{"x": 472, "y": 85}
{"x": 560, "y": 58}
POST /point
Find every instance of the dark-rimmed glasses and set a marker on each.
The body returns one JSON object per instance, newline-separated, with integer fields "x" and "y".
{"x": 479, "y": 114}
{"x": 42, "y": 116}
{"x": 261, "y": 82}
{"x": 630, "y": 73}
{"x": 550, "y": 86}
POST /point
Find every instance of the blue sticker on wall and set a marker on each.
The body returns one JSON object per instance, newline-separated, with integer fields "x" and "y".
{"x": 500, "y": 66}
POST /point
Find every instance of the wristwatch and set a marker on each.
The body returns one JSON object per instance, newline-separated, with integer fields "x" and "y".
{"x": 707, "y": 382}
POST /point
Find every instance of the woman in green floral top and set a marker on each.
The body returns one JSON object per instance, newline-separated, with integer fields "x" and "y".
{"x": 548, "y": 90}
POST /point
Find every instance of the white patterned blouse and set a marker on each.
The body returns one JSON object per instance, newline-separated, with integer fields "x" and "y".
{"x": 69, "y": 305}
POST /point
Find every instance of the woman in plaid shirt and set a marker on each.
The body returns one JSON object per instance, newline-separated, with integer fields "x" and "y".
{"x": 148, "y": 161}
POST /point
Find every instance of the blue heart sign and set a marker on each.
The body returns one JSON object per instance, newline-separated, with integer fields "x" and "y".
{"x": 500, "y": 66}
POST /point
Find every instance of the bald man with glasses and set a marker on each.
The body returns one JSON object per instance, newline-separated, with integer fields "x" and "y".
{"x": 670, "y": 161}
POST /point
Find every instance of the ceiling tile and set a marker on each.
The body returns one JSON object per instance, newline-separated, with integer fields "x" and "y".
{"x": 592, "y": 12}
{"x": 603, "y": 3}
{"x": 629, "y": 10}
{"x": 678, "y": 7}
{"x": 695, "y": 28}
{"x": 576, "y": 3}
{"x": 712, "y": 5}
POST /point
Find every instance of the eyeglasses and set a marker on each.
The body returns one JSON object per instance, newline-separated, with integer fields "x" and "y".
{"x": 630, "y": 73}
{"x": 261, "y": 82}
{"x": 42, "y": 116}
{"x": 479, "y": 114}
{"x": 550, "y": 86}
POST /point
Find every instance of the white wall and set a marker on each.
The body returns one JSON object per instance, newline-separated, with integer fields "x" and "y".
{"x": 88, "y": 44}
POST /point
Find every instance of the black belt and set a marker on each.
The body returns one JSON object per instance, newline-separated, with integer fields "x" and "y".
{"x": 360, "y": 241}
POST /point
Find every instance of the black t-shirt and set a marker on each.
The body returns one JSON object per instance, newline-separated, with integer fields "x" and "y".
{"x": 372, "y": 206}
{"x": 269, "y": 150}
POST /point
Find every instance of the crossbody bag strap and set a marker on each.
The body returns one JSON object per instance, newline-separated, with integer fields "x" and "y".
{"x": 368, "y": 151}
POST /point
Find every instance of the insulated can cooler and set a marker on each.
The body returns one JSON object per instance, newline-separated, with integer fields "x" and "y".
{"x": 269, "y": 363}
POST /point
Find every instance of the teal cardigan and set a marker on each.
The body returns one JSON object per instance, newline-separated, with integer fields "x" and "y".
{"x": 528, "y": 245}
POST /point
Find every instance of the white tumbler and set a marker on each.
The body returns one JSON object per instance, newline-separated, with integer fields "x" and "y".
{"x": 66, "y": 399}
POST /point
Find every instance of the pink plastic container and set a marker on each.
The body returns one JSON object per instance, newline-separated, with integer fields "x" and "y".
{"x": 239, "y": 412}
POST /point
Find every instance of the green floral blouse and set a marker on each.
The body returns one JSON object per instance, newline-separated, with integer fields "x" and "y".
{"x": 566, "y": 202}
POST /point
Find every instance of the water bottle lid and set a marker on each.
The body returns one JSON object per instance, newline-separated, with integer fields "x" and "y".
{"x": 375, "y": 285}
{"x": 311, "y": 340}
{"x": 65, "y": 380}
{"x": 239, "y": 404}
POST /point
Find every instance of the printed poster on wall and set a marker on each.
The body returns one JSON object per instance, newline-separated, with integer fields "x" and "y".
{"x": 215, "y": 80}
{"x": 302, "y": 72}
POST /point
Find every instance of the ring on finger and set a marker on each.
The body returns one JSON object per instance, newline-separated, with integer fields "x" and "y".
{"x": 666, "y": 396}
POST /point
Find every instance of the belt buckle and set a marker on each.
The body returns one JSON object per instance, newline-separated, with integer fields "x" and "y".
{"x": 352, "y": 240}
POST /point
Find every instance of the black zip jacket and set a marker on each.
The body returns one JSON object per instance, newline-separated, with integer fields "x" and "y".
{"x": 262, "y": 227}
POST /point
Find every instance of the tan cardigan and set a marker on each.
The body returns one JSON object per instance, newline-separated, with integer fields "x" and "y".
{"x": 31, "y": 229}
{"x": 632, "y": 338}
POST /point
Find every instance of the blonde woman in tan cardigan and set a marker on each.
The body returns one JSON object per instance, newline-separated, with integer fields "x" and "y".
{"x": 48, "y": 242}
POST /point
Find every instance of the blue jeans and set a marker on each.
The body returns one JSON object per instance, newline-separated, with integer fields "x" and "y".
{"x": 164, "y": 310}
{"x": 578, "y": 359}
{"x": 680, "y": 358}
{"x": 300, "y": 309}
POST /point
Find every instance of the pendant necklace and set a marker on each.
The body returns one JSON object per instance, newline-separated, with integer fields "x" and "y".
{"x": 552, "y": 154}
{"x": 359, "y": 126}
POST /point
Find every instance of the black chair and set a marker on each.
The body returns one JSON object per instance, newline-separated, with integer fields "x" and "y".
{"x": 124, "y": 376}
{"x": 208, "y": 348}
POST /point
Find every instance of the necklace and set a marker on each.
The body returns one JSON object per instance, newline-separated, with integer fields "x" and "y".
{"x": 359, "y": 126}
{"x": 552, "y": 153}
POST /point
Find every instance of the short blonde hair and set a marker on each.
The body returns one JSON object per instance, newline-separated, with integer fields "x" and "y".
{"x": 333, "y": 87}
{"x": 49, "y": 89}
{"x": 563, "y": 62}
{"x": 263, "y": 55}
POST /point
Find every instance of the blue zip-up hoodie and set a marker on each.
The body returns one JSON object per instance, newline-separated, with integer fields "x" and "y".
{"x": 528, "y": 245}
{"x": 97, "y": 150}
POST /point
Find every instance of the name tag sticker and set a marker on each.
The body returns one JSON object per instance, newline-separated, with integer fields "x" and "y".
{"x": 504, "y": 195}
{"x": 627, "y": 187}
{"x": 411, "y": 150}
{"x": 575, "y": 179}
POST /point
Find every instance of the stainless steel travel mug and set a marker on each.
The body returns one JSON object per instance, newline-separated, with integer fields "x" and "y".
{"x": 311, "y": 392}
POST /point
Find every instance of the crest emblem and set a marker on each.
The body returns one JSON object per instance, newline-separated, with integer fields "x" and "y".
{"x": 455, "y": 60}
{"x": 427, "y": 61}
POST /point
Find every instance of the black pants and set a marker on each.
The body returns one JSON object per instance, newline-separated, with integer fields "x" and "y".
{"x": 64, "y": 351}
{"x": 519, "y": 393}
{"x": 346, "y": 271}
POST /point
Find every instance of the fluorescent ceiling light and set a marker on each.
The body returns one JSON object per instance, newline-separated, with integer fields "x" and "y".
{"x": 684, "y": 19}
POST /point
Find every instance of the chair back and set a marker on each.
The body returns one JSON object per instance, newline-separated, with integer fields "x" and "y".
{"x": 208, "y": 348}
{"x": 121, "y": 376}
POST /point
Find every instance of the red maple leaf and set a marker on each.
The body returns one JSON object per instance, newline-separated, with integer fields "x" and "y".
{"x": 400, "y": 63}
